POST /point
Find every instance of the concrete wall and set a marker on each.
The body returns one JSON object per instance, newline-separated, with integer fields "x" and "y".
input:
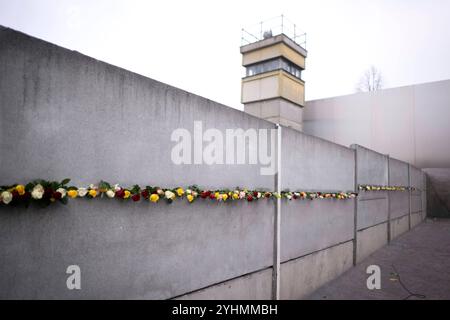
{"x": 67, "y": 115}
{"x": 408, "y": 123}
{"x": 372, "y": 207}
{"x": 418, "y": 182}
{"x": 325, "y": 226}
{"x": 398, "y": 201}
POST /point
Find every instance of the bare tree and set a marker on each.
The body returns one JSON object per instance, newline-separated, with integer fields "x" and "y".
{"x": 371, "y": 80}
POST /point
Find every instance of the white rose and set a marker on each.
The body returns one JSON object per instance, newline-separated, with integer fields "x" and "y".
{"x": 62, "y": 191}
{"x": 116, "y": 187}
{"x": 110, "y": 193}
{"x": 92, "y": 186}
{"x": 37, "y": 192}
{"x": 169, "y": 194}
{"x": 242, "y": 194}
{"x": 6, "y": 197}
{"x": 259, "y": 195}
{"x": 82, "y": 192}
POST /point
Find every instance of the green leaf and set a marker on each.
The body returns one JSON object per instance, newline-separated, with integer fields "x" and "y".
{"x": 65, "y": 181}
{"x": 103, "y": 185}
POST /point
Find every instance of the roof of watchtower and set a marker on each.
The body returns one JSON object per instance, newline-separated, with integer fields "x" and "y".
{"x": 271, "y": 31}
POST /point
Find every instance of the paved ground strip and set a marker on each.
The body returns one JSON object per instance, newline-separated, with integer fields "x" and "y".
{"x": 419, "y": 258}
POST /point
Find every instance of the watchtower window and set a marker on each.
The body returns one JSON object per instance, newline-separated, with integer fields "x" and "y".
{"x": 274, "y": 64}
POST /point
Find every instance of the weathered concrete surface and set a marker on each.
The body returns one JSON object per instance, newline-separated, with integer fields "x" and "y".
{"x": 315, "y": 164}
{"x": 371, "y": 166}
{"x": 308, "y": 226}
{"x": 398, "y": 176}
{"x": 64, "y": 114}
{"x": 399, "y": 226}
{"x": 130, "y": 250}
{"x": 372, "y": 208}
{"x": 370, "y": 240}
{"x": 416, "y": 218}
{"x": 255, "y": 286}
{"x": 421, "y": 257}
{"x": 299, "y": 277}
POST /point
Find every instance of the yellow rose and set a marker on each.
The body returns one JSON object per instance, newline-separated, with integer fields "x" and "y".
{"x": 224, "y": 197}
{"x": 93, "y": 193}
{"x": 20, "y": 189}
{"x": 126, "y": 194}
{"x": 235, "y": 196}
{"x": 217, "y": 194}
{"x": 180, "y": 192}
{"x": 190, "y": 197}
{"x": 72, "y": 193}
{"x": 154, "y": 197}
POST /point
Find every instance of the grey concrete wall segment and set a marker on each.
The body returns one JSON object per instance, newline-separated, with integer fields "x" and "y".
{"x": 370, "y": 240}
{"x": 131, "y": 250}
{"x": 416, "y": 218}
{"x": 372, "y": 168}
{"x": 81, "y": 118}
{"x": 398, "y": 200}
{"x": 372, "y": 209}
{"x": 58, "y": 100}
{"x": 255, "y": 286}
{"x": 315, "y": 164}
{"x": 399, "y": 226}
{"x": 308, "y": 226}
{"x": 302, "y": 276}
{"x": 417, "y": 178}
{"x": 398, "y": 203}
{"x": 398, "y": 172}
{"x": 416, "y": 203}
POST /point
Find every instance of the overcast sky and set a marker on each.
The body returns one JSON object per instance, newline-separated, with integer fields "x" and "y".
{"x": 194, "y": 45}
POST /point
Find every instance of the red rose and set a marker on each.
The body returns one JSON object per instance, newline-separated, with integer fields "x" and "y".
{"x": 145, "y": 194}
{"x": 56, "y": 195}
{"x": 294, "y": 196}
{"x": 249, "y": 198}
{"x": 255, "y": 194}
{"x": 15, "y": 194}
{"x": 26, "y": 195}
{"x": 136, "y": 197}
{"x": 212, "y": 195}
{"x": 205, "y": 194}
{"x": 48, "y": 192}
{"x": 120, "y": 193}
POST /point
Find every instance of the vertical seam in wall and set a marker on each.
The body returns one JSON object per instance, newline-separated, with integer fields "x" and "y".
{"x": 414, "y": 124}
{"x": 389, "y": 201}
{"x": 409, "y": 192}
{"x": 277, "y": 223}
{"x": 355, "y": 208}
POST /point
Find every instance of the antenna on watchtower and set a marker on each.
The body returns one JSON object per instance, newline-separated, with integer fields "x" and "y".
{"x": 273, "y": 54}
